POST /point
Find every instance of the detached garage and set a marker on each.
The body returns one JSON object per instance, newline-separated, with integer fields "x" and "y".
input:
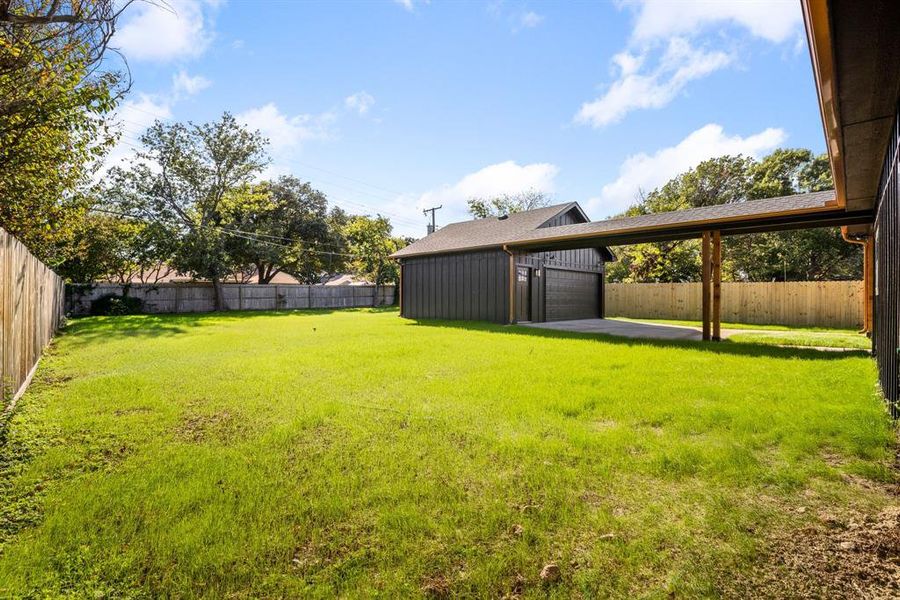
{"x": 467, "y": 271}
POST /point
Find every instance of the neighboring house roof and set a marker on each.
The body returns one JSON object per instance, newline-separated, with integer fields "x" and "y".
{"x": 280, "y": 277}
{"x": 169, "y": 275}
{"x": 345, "y": 279}
{"x": 483, "y": 233}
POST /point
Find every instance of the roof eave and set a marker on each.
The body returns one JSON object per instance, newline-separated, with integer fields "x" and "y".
{"x": 818, "y": 31}
{"x": 687, "y": 226}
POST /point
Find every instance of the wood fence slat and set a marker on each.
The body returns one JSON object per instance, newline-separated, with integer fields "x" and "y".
{"x": 31, "y": 305}
{"x": 795, "y": 303}
{"x": 198, "y": 296}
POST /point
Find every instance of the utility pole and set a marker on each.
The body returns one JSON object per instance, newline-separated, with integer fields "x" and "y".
{"x": 432, "y": 228}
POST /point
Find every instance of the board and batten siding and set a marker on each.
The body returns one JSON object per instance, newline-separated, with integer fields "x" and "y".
{"x": 886, "y": 334}
{"x": 31, "y": 310}
{"x": 471, "y": 286}
{"x": 474, "y": 285}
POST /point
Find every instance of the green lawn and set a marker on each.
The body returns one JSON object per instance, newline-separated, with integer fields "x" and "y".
{"x": 355, "y": 453}
{"x": 744, "y": 326}
{"x": 780, "y": 335}
{"x": 848, "y": 341}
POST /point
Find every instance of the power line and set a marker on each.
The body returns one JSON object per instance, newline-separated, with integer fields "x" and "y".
{"x": 308, "y": 166}
{"x": 136, "y": 144}
{"x": 238, "y": 233}
{"x": 367, "y": 208}
{"x": 255, "y": 239}
{"x": 368, "y": 194}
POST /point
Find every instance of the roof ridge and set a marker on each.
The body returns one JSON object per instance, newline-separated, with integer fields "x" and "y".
{"x": 517, "y": 213}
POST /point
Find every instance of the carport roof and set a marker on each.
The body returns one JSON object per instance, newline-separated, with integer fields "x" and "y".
{"x": 783, "y": 212}
{"x": 815, "y": 209}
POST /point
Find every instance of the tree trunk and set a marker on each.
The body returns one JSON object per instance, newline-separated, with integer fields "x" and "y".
{"x": 375, "y": 300}
{"x": 219, "y": 294}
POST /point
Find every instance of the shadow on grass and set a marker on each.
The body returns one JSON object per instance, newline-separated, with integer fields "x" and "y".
{"x": 84, "y": 330}
{"x": 724, "y": 347}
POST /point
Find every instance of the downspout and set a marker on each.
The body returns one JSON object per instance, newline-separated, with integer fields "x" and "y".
{"x": 511, "y": 317}
{"x": 867, "y": 278}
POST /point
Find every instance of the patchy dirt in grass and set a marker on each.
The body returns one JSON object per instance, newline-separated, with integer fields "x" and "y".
{"x": 51, "y": 379}
{"x": 122, "y": 412}
{"x": 437, "y": 586}
{"x": 603, "y": 424}
{"x": 220, "y": 426}
{"x": 838, "y": 556}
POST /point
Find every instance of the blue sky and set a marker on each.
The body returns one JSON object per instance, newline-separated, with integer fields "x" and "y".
{"x": 392, "y": 107}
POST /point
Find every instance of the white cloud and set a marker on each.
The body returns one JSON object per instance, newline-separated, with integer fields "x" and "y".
{"x": 670, "y": 47}
{"x": 679, "y": 65}
{"x": 502, "y": 178}
{"x": 360, "y": 102}
{"x": 775, "y": 21}
{"x": 187, "y": 85}
{"x": 530, "y": 19}
{"x": 407, "y": 4}
{"x": 286, "y": 132}
{"x": 162, "y": 32}
{"x": 645, "y": 172}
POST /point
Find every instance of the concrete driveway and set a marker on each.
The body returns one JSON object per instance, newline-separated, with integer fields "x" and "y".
{"x": 657, "y": 331}
{"x": 628, "y": 329}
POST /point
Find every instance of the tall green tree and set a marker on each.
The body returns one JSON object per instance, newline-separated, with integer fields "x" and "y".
{"x": 807, "y": 254}
{"x": 286, "y": 229}
{"x": 507, "y": 204}
{"x": 716, "y": 181}
{"x": 108, "y": 247}
{"x": 797, "y": 255}
{"x": 184, "y": 179}
{"x": 56, "y": 95}
{"x": 370, "y": 242}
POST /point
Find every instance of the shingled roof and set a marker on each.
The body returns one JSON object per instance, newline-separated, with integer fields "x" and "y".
{"x": 483, "y": 233}
{"x": 799, "y": 204}
{"x": 524, "y": 229}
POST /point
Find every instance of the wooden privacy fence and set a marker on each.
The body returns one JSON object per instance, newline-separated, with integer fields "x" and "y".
{"x": 797, "y": 303}
{"x": 31, "y": 310}
{"x": 200, "y": 297}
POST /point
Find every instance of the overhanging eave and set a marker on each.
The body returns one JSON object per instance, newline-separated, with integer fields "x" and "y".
{"x": 761, "y": 224}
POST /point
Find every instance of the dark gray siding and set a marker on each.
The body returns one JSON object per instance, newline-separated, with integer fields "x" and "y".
{"x": 572, "y": 295}
{"x": 547, "y": 264}
{"x": 475, "y": 285}
{"x": 472, "y": 286}
{"x": 887, "y": 272}
{"x": 581, "y": 258}
{"x": 572, "y": 217}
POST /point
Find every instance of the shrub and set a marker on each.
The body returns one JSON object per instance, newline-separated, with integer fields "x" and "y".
{"x": 114, "y": 304}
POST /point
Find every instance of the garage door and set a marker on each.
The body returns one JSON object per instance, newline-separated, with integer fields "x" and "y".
{"x": 572, "y": 295}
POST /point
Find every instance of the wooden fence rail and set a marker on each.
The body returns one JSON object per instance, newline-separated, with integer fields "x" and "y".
{"x": 796, "y": 303}
{"x": 31, "y": 310}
